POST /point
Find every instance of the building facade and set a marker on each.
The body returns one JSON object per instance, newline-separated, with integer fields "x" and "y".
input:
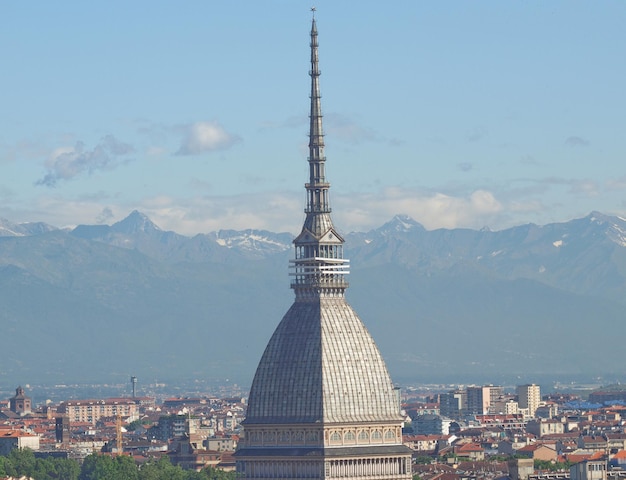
{"x": 592, "y": 469}
{"x": 529, "y": 396}
{"x": 453, "y": 404}
{"x": 322, "y": 404}
{"x": 13, "y": 439}
{"x": 92, "y": 410}
{"x": 20, "y": 403}
{"x": 542, "y": 427}
{"x": 479, "y": 399}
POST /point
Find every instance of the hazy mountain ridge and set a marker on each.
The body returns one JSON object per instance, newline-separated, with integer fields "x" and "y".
{"x": 10, "y": 229}
{"x": 138, "y": 232}
{"x": 105, "y": 300}
{"x": 586, "y": 255}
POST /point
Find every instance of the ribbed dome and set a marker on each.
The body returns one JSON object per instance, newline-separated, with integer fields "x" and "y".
{"x": 321, "y": 365}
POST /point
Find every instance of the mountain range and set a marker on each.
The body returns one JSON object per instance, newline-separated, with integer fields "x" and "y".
{"x": 102, "y": 302}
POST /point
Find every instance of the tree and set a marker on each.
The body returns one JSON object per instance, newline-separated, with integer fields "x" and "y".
{"x": 126, "y": 469}
{"x": 551, "y": 466}
{"x": 162, "y": 469}
{"x": 97, "y": 467}
{"x": 65, "y": 469}
{"x": 217, "y": 474}
{"x": 132, "y": 426}
{"x": 104, "y": 467}
{"x": 22, "y": 461}
{"x": 3, "y": 466}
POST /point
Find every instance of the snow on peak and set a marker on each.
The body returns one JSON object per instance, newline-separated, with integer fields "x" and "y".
{"x": 10, "y": 229}
{"x": 251, "y": 240}
{"x": 7, "y": 229}
{"x": 617, "y": 235}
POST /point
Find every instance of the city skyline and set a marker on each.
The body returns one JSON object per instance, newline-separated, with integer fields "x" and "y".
{"x": 461, "y": 115}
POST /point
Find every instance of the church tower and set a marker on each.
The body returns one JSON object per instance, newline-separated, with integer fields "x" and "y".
{"x": 20, "y": 403}
{"x": 322, "y": 404}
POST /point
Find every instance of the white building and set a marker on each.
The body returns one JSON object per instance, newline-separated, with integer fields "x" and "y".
{"x": 529, "y": 396}
{"x": 17, "y": 439}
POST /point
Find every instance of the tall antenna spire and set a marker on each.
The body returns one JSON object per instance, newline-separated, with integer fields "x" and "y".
{"x": 317, "y": 183}
{"x": 319, "y": 265}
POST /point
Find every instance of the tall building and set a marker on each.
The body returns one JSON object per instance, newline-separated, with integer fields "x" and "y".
{"x": 479, "y": 399}
{"x": 322, "y": 404}
{"x": 529, "y": 396}
{"x": 62, "y": 430}
{"x": 453, "y": 404}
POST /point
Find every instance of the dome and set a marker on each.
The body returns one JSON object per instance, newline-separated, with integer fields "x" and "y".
{"x": 321, "y": 365}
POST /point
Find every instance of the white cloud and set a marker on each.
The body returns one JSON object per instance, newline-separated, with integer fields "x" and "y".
{"x": 61, "y": 211}
{"x": 495, "y": 207}
{"x": 202, "y": 137}
{"x": 431, "y": 209}
{"x": 278, "y": 211}
{"x": 66, "y": 163}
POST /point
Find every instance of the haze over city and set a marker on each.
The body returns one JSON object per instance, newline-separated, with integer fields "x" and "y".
{"x": 457, "y": 114}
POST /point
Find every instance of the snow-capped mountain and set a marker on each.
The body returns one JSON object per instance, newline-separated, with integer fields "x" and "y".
{"x": 259, "y": 241}
{"x": 528, "y": 298}
{"x": 138, "y": 232}
{"x": 10, "y": 229}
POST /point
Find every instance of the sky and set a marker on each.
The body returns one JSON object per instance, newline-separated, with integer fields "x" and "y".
{"x": 457, "y": 113}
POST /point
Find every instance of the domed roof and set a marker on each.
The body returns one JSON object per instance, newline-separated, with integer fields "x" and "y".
{"x": 321, "y": 365}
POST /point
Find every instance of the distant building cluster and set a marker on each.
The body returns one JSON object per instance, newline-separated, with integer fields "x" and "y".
{"x": 486, "y": 432}
{"x": 191, "y": 432}
{"x": 490, "y": 399}
{"x": 491, "y": 433}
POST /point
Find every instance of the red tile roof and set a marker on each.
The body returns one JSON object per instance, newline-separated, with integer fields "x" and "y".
{"x": 470, "y": 447}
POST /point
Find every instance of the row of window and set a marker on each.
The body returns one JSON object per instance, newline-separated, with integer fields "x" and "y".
{"x": 324, "y": 251}
{"x": 349, "y": 436}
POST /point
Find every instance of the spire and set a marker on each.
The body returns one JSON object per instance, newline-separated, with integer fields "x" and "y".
{"x": 319, "y": 265}
{"x": 316, "y": 132}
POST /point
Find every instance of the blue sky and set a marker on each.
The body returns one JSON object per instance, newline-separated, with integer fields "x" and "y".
{"x": 459, "y": 114}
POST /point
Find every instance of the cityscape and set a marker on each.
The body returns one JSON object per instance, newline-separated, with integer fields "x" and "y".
{"x": 465, "y": 431}
{"x": 523, "y": 397}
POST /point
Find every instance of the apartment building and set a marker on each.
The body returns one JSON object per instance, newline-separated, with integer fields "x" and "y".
{"x": 93, "y": 410}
